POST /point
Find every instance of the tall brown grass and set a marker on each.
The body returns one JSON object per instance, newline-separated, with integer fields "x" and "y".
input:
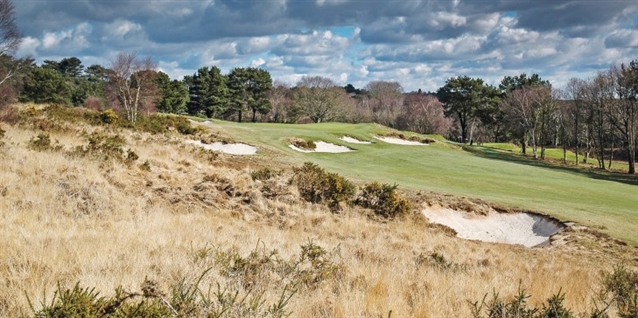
{"x": 67, "y": 219}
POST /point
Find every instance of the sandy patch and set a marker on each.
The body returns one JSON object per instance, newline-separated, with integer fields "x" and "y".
{"x": 206, "y": 122}
{"x": 399, "y": 141}
{"x": 233, "y": 149}
{"x": 511, "y": 228}
{"x": 354, "y": 140}
{"x": 322, "y": 146}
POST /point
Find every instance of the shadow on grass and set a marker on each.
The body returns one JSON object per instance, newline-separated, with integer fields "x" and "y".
{"x": 492, "y": 153}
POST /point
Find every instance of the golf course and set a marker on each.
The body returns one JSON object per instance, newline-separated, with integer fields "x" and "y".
{"x": 183, "y": 216}
{"x": 605, "y": 201}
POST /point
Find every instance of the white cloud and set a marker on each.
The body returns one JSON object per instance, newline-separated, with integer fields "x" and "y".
{"x": 28, "y": 46}
{"x": 418, "y": 43}
{"x": 120, "y": 31}
{"x": 444, "y": 19}
{"x": 625, "y": 38}
{"x": 258, "y": 62}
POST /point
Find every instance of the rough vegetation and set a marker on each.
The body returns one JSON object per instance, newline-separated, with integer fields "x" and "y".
{"x": 316, "y": 185}
{"x": 199, "y": 234}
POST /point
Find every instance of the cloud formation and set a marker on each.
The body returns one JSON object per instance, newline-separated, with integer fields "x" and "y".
{"x": 419, "y": 43}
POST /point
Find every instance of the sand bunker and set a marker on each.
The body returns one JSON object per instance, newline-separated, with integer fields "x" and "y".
{"x": 206, "y": 122}
{"x": 511, "y": 228}
{"x": 322, "y": 146}
{"x": 354, "y": 140}
{"x": 399, "y": 141}
{"x": 233, "y": 149}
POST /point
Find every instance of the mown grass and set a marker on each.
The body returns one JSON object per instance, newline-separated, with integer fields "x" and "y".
{"x": 606, "y": 201}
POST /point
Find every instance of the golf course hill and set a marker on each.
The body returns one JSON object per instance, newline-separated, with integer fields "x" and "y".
{"x": 184, "y": 216}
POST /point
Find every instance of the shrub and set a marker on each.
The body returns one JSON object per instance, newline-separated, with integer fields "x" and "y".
{"x": 304, "y": 144}
{"x": 383, "y": 199}
{"x": 264, "y": 174}
{"x": 315, "y": 265}
{"x": 517, "y": 307}
{"x": 2, "y": 133}
{"x": 93, "y": 103}
{"x": 42, "y": 142}
{"x": 108, "y": 116}
{"x": 105, "y": 147}
{"x": 316, "y": 185}
{"x": 184, "y": 300}
{"x": 159, "y": 124}
{"x": 10, "y": 115}
{"x": 65, "y": 113}
{"x": 622, "y": 285}
{"x": 145, "y": 166}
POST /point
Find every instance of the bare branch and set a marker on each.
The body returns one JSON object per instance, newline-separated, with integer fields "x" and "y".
{"x": 10, "y": 36}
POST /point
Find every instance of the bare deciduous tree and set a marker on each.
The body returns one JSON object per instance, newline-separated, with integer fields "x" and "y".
{"x": 386, "y": 101}
{"x": 10, "y": 39}
{"x": 530, "y": 108}
{"x": 623, "y": 113}
{"x": 423, "y": 114}
{"x": 132, "y": 84}
{"x": 9, "y": 34}
{"x": 320, "y": 98}
{"x": 283, "y": 109}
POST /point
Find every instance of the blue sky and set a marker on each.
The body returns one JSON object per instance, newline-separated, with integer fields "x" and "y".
{"x": 417, "y": 43}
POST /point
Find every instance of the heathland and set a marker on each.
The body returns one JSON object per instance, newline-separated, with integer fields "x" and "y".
{"x": 140, "y": 216}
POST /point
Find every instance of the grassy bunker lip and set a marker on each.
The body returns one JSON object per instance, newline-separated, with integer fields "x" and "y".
{"x": 524, "y": 228}
{"x": 399, "y": 141}
{"x": 322, "y": 146}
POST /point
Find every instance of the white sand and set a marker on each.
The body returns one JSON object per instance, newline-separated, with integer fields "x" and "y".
{"x": 511, "y": 228}
{"x": 323, "y": 146}
{"x": 399, "y": 141}
{"x": 233, "y": 149}
{"x": 206, "y": 122}
{"x": 354, "y": 140}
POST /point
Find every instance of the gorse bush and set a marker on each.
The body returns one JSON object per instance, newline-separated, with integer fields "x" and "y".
{"x": 159, "y": 124}
{"x": 619, "y": 290}
{"x": 245, "y": 280}
{"x": 264, "y": 174}
{"x": 108, "y": 116}
{"x": 185, "y": 299}
{"x": 383, "y": 199}
{"x": 2, "y": 134}
{"x": 42, "y": 142}
{"x": 315, "y": 265}
{"x": 106, "y": 147}
{"x": 622, "y": 287}
{"x": 517, "y": 307}
{"x": 316, "y": 185}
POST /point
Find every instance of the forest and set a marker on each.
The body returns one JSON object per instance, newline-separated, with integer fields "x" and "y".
{"x": 594, "y": 117}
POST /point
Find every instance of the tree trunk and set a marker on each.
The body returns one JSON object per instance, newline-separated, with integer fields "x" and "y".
{"x": 239, "y": 116}
{"x": 576, "y": 145}
{"x": 611, "y": 155}
{"x": 254, "y": 119}
{"x": 632, "y": 157}
{"x": 472, "y": 132}
{"x": 463, "y": 130}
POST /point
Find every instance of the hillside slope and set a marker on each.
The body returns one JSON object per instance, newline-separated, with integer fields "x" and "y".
{"x": 104, "y": 206}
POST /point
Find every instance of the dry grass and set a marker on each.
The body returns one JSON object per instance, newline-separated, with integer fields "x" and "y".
{"x": 105, "y": 224}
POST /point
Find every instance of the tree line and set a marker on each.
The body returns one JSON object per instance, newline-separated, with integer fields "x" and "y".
{"x": 593, "y": 116}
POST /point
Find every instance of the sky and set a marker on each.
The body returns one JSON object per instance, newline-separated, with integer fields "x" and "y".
{"x": 418, "y": 43}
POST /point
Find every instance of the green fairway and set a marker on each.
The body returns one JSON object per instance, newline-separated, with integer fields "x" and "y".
{"x": 608, "y": 202}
